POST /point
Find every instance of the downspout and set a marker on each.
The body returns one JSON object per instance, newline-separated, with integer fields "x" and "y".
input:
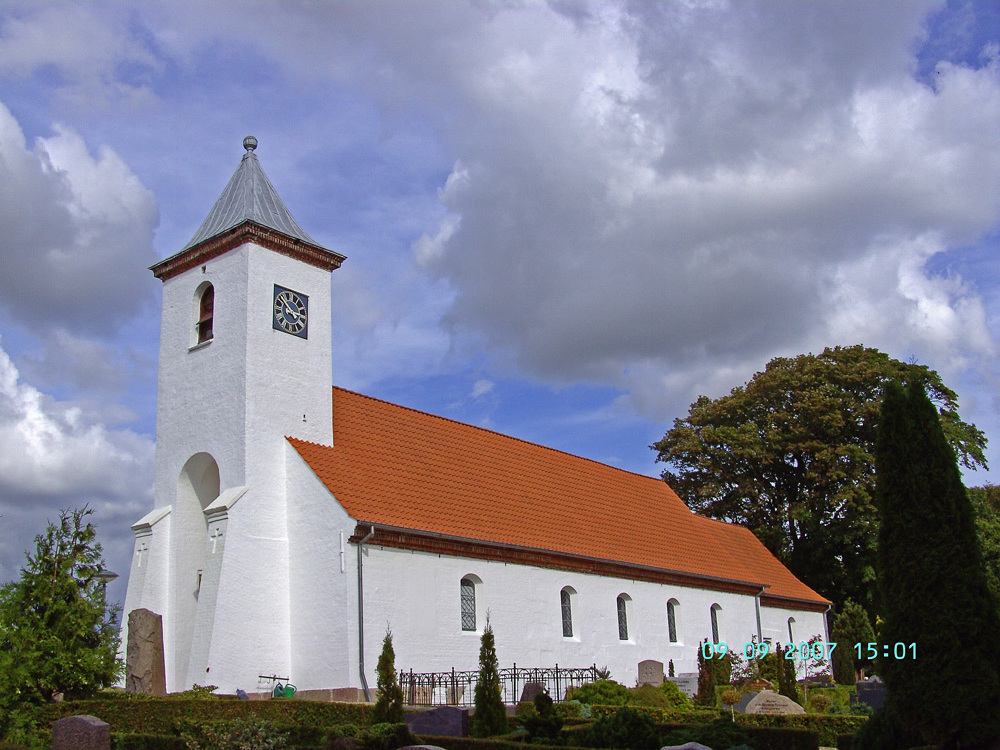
{"x": 361, "y": 616}
{"x": 826, "y": 621}
{"x": 756, "y": 604}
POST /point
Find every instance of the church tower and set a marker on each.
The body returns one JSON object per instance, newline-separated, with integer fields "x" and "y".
{"x": 245, "y": 360}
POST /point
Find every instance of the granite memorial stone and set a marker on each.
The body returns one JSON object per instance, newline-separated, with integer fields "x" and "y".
{"x": 144, "y": 672}
{"x": 446, "y": 721}
{"x": 771, "y": 703}
{"x": 81, "y": 733}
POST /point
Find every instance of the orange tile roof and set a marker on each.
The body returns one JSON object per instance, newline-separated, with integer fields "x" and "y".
{"x": 398, "y": 467}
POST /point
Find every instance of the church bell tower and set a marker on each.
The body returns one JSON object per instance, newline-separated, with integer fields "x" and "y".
{"x": 245, "y": 360}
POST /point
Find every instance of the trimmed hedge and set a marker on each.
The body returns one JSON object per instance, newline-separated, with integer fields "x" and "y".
{"x": 774, "y": 738}
{"x": 665, "y": 715}
{"x": 826, "y": 726}
{"x": 165, "y": 716}
{"x": 146, "y": 742}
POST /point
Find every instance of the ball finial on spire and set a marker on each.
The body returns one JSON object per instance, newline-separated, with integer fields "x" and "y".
{"x": 249, "y": 143}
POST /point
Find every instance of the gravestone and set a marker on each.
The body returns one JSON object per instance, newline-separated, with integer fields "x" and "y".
{"x": 144, "y": 672}
{"x": 870, "y": 692}
{"x": 686, "y": 746}
{"x": 771, "y": 703}
{"x": 446, "y": 721}
{"x": 81, "y": 733}
{"x": 651, "y": 672}
{"x": 687, "y": 682}
{"x": 531, "y": 689}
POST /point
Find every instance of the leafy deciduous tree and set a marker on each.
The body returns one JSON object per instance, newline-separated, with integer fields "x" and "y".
{"x": 791, "y": 456}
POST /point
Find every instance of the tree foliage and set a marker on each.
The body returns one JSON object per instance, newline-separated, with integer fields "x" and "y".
{"x": 389, "y": 704}
{"x": 490, "y": 717}
{"x": 931, "y": 582}
{"x": 986, "y": 504}
{"x": 57, "y": 633}
{"x": 791, "y": 456}
{"x": 706, "y": 679}
{"x": 850, "y": 626}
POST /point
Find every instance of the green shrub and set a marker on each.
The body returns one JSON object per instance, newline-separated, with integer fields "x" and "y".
{"x": 601, "y": 693}
{"x": 146, "y": 742}
{"x": 627, "y": 728}
{"x": 649, "y": 695}
{"x": 781, "y": 738}
{"x": 675, "y": 696}
{"x": 250, "y": 733}
{"x": 546, "y": 724}
{"x": 820, "y": 703}
{"x": 386, "y": 737}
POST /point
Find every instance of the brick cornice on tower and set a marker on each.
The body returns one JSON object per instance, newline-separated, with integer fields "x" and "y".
{"x": 248, "y": 231}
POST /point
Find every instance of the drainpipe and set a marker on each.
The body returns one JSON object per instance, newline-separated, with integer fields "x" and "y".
{"x": 361, "y": 616}
{"x": 756, "y": 603}
{"x": 826, "y": 621}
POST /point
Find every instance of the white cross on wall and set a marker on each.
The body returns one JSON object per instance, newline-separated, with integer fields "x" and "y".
{"x": 216, "y": 533}
{"x": 143, "y": 547}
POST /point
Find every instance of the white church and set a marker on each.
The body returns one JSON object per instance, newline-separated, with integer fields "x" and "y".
{"x": 294, "y": 521}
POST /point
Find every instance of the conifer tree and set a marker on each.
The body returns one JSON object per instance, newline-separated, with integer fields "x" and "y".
{"x": 389, "y": 704}
{"x": 786, "y": 674}
{"x": 931, "y": 584}
{"x": 706, "y": 679}
{"x": 490, "y": 717}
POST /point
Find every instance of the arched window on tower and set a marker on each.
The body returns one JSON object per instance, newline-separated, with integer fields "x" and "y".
{"x": 206, "y": 314}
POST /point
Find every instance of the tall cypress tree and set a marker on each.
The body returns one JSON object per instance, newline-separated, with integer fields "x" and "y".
{"x": 389, "y": 704}
{"x": 490, "y": 717}
{"x": 932, "y": 583}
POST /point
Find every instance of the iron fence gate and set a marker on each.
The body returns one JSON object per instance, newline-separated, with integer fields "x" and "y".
{"x": 458, "y": 688}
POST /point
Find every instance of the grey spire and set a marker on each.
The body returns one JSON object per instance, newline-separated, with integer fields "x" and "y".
{"x": 249, "y": 196}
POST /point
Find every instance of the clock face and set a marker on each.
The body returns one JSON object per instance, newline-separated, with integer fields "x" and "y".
{"x": 291, "y": 312}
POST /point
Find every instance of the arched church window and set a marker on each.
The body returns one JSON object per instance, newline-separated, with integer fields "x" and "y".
{"x": 206, "y": 314}
{"x": 672, "y": 620}
{"x": 715, "y": 622}
{"x": 622, "y": 617}
{"x": 468, "y": 604}
{"x": 566, "y": 604}
{"x": 791, "y": 636}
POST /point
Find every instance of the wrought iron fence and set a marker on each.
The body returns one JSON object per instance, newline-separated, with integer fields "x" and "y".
{"x": 458, "y": 688}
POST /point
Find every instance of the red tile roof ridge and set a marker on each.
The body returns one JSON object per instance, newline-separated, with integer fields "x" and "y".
{"x": 499, "y": 434}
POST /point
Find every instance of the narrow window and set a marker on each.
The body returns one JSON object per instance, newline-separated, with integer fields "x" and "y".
{"x": 672, "y": 620}
{"x": 468, "y": 604}
{"x": 791, "y": 637}
{"x": 567, "y": 613}
{"x": 206, "y": 314}
{"x": 622, "y": 619}
{"x": 715, "y": 623}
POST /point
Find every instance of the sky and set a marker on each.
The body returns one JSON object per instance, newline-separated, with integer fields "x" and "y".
{"x": 563, "y": 220}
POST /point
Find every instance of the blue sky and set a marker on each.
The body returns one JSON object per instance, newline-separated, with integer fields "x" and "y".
{"x": 563, "y": 220}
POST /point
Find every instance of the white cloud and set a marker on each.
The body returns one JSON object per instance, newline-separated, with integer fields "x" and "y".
{"x": 75, "y": 233}
{"x": 91, "y": 54}
{"x": 481, "y": 387}
{"x": 54, "y": 456}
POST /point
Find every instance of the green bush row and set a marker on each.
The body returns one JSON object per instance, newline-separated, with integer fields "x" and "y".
{"x": 827, "y": 726}
{"x": 167, "y": 716}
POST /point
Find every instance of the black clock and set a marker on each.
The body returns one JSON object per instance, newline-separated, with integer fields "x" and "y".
{"x": 291, "y": 312}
